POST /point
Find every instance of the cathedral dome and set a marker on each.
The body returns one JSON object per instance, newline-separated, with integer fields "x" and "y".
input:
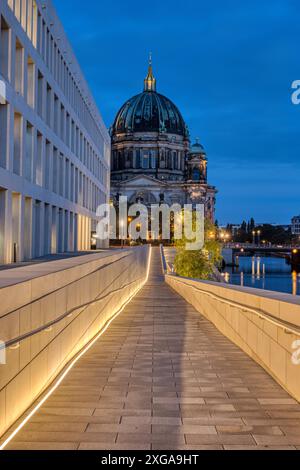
{"x": 149, "y": 112}
{"x": 197, "y": 148}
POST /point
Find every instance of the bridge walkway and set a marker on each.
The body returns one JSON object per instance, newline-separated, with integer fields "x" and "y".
{"x": 163, "y": 377}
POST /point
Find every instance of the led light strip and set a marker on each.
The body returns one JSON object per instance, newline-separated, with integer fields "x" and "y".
{"x": 74, "y": 361}
{"x": 262, "y": 315}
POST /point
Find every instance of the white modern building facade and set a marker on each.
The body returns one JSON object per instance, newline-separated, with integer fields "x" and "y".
{"x": 54, "y": 146}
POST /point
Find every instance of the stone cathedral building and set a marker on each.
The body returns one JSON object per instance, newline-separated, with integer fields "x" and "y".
{"x": 152, "y": 157}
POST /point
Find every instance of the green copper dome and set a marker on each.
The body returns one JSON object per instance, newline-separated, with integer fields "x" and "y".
{"x": 149, "y": 112}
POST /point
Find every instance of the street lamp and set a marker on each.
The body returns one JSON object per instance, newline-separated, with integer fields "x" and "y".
{"x": 253, "y": 233}
{"x": 258, "y": 235}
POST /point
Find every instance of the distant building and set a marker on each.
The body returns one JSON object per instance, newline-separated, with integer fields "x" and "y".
{"x": 54, "y": 147}
{"x": 296, "y": 225}
{"x": 152, "y": 158}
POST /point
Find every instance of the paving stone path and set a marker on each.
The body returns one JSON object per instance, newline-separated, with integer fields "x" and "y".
{"x": 162, "y": 377}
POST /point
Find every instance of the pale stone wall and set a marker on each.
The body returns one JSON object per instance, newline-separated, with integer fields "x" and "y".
{"x": 57, "y": 294}
{"x": 264, "y": 324}
{"x": 54, "y": 146}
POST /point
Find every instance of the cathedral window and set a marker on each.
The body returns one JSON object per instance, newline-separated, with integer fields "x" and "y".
{"x": 138, "y": 159}
{"x": 145, "y": 160}
{"x": 153, "y": 159}
{"x": 196, "y": 174}
{"x": 179, "y": 161}
{"x": 120, "y": 162}
{"x": 115, "y": 161}
{"x": 174, "y": 161}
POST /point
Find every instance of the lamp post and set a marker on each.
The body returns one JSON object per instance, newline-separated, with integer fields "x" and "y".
{"x": 258, "y": 237}
{"x": 254, "y": 233}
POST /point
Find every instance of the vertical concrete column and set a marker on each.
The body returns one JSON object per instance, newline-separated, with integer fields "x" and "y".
{"x": 10, "y": 138}
{"x": 61, "y": 242}
{"x": 23, "y": 147}
{"x": 36, "y": 88}
{"x": 8, "y": 254}
{"x": 21, "y": 234}
{"x": 54, "y": 230}
{"x": 2, "y": 222}
{"x": 73, "y": 189}
{"x": 76, "y": 232}
{"x": 62, "y": 176}
{"x": 4, "y": 136}
{"x": 42, "y": 230}
{"x": 34, "y": 156}
{"x": 44, "y": 98}
{"x": 6, "y": 226}
{"x": 28, "y": 229}
{"x": 34, "y": 230}
{"x": 72, "y": 231}
{"x": 50, "y": 168}
{"x": 25, "y": 75}
{"x": 85, "y": 232}
{"x": 57, "y": 117}
{"x": 43, "y": 163}
{"x": 82, "y": 247}
{"x": 17, "y": 225}
{"x": 50, "y": 108}
{"x": 89, "y": 231}
{"x": 79, "y": 232}
{"x": 12, "y": 54}
{"x": 47, "y": 229}
{"x": 67, "y": 231}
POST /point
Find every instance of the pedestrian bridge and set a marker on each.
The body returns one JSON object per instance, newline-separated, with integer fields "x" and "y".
{"x": 171, "y": 363}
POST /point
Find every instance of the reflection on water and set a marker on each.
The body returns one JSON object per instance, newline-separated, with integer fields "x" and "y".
{"x": 264, "y": 273}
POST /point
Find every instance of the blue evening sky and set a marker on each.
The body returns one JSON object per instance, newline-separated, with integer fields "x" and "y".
{"x": 228, "y": 65}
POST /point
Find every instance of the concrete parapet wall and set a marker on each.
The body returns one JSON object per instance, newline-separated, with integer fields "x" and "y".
{"x": 48, "y": 317}
{"x": 264, "y": 324}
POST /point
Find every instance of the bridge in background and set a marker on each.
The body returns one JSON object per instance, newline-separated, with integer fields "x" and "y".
{"x": 184, "y": 365}
{"x": 230, "y": 251}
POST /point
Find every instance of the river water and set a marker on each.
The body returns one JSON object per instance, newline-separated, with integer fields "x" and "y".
{"x": 267, "y": 273}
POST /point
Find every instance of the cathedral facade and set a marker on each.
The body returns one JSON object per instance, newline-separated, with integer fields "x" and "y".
{"x": 153, "y": 161}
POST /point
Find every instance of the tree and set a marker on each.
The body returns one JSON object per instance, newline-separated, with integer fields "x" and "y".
{"x": 251, "y": 225}
{"x": 242, "y": 234}
{"x": 199, "y": 264}
{"x": 276, "y": 235}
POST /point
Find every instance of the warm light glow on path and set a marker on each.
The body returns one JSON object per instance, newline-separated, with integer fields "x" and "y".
{"x": 74, "y": 361}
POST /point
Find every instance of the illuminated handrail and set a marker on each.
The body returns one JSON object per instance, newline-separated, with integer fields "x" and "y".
{"x": 64, "y": 286}
{"x": 288, "y": 328}
{"x": 47, "y": 326}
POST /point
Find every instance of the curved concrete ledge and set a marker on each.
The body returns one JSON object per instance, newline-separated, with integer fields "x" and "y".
{"x": 93, "y": 288}
{"x": 264, "y": 324}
